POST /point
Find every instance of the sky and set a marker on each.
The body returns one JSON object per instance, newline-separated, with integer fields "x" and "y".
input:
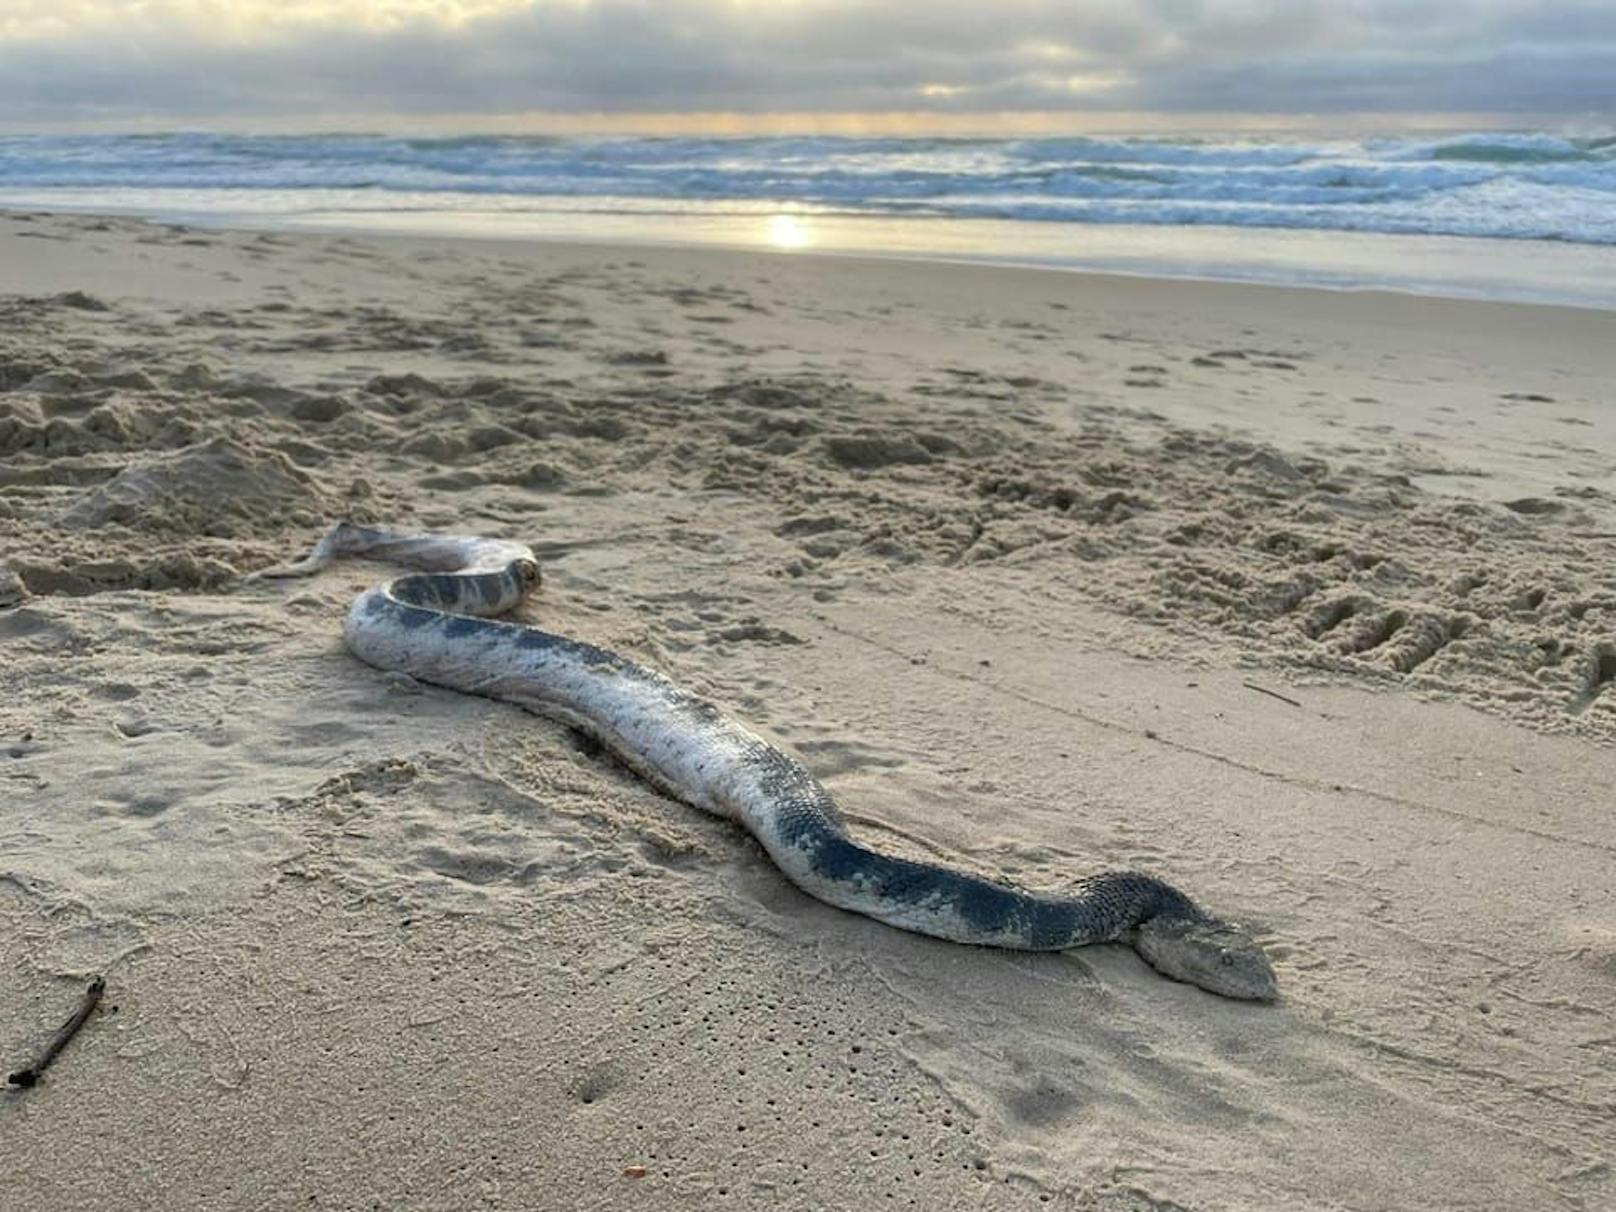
{"x": 739, "y": 64}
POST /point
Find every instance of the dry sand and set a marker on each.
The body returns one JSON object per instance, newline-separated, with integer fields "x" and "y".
{"x": 1003, "y": 554}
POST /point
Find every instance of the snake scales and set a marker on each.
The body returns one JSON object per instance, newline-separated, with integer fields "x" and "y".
{"x": 438, "y": 626}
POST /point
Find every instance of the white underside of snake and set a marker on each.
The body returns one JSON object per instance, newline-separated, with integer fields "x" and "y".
{"x": 438, "y": 625}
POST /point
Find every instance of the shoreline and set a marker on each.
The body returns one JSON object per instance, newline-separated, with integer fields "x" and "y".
{"x": 1300, "y": 600}
{"x": 1407, "y": 300}
{"x": 1535, "y": 272}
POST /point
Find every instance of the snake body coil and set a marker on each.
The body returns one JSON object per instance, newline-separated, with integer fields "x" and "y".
{"x": 438, "y": 626}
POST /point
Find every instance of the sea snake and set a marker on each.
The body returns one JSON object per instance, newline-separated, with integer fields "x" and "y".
{"x": 438, "y": 626}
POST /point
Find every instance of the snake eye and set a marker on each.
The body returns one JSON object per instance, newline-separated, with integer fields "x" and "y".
{"x": 1225, "y": 957}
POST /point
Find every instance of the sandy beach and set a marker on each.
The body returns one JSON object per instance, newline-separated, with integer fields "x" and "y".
{"x": 1304, "y": 601}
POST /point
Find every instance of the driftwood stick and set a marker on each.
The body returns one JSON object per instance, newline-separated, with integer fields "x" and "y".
{"x": 1273, "y": 694}
{"x": 92, "y": 998}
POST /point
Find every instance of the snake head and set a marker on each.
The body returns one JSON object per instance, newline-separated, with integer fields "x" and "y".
{"x": 1218, "y": 956}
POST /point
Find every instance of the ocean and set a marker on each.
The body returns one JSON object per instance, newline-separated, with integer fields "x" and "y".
{"x": 1523, "y": 215}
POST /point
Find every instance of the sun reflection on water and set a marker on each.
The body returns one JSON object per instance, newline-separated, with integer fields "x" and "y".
{"x": 788, "y": 231}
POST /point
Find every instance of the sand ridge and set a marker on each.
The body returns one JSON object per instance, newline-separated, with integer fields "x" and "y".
{"x": 997, "y": 553}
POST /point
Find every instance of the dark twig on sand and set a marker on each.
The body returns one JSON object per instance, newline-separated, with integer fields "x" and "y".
{"x": 1273, "y": 694}
{"x": 92, "y": 997}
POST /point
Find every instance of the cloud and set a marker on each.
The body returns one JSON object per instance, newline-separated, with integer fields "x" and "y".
{"x": 192, "y": 60}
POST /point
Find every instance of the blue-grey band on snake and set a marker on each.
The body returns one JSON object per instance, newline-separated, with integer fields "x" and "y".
{"x": 438, "y": 625}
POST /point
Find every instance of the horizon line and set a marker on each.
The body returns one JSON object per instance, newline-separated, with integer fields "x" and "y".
{"x": 877, "y": 123}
